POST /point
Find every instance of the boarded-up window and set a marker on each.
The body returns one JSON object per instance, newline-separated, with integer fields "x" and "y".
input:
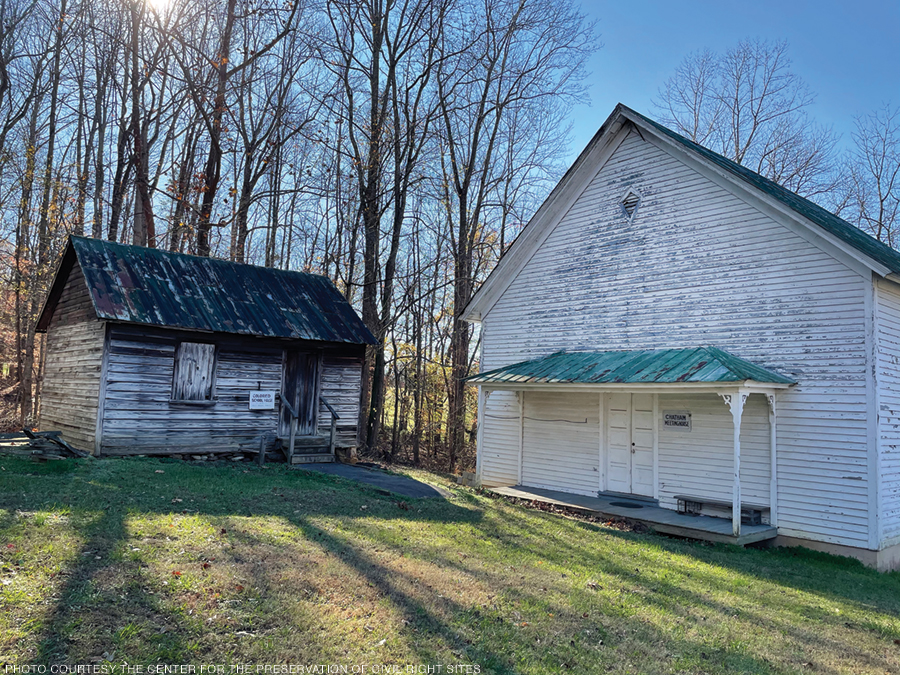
{"x": 195, "y": 364}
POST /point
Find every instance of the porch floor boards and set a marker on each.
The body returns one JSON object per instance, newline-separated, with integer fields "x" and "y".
{"x": 667, "y": 521}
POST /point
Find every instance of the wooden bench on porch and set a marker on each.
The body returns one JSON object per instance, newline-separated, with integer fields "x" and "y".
{"x": 751, "y": 514}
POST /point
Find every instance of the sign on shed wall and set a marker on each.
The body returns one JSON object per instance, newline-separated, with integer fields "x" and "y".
{"x": 262, "y": 400}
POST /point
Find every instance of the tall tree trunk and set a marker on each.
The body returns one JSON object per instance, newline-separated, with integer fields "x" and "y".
{"x": 26, "y": 390}
{"x": 144, "y": 229}
{"x": 24, "y": 332}
{"x": 99, "y": 122}
{"x": 212, "y": 172}
{"x": 370, "y": 209}
{"x": 122, "y": 174}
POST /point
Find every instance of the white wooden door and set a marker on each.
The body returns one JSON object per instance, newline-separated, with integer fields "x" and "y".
{"x": 642, "y": 430}
{"x": 618, "y": 445}
{"x": 630, "y": 429}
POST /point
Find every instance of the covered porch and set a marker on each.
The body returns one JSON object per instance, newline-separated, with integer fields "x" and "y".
{"x": 666, "y": 521}
{"x": 663, "y": 427}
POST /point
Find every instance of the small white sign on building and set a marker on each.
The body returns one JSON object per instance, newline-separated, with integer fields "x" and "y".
{"x": 262, "y": 400}
{"x": 677, "y": 420}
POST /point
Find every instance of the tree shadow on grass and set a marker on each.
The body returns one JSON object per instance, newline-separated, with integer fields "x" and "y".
{"x": 121, "y": 594}
{"x": 500, "y": 637}
{"x": 106, "y": 589}
{"x": 684, "y": 581}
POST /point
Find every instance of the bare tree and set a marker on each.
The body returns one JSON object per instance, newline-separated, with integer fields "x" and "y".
{"x": 382, "y": 53}
{"x": 209, "y": 49}
{"x": 874, "y": 201}
{"x": 748, "y": 105}
{"x": 522, "y": 56}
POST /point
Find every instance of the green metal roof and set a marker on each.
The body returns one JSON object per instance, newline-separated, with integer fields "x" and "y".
{"x": 839, "y": 227}
{"x": 141, "y": 285}
{"x": 656, "y": 366}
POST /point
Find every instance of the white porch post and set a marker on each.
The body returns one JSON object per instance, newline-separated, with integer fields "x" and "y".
{"x": 773, "y": 468}
{"x": 736, "y": 404}
{"x": 520, "y": 397}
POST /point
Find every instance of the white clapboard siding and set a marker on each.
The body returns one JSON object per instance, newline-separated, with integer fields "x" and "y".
{"x": 700, "y": 462}
{"x": 888, "y": 381}
{"x": 561, "y": 449}
{"x": 339, "y": 384}
{"x": 500, "y": 439}
{"x": 699, "y": 266}
{"x": 73, "y": 364}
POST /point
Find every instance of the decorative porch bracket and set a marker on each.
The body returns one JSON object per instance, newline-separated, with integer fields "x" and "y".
{"x": 735, "y": 402}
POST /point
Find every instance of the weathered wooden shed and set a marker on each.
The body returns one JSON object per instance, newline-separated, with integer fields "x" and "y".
{"x": 151, "y": 352}
{"x": 672, "y": 331}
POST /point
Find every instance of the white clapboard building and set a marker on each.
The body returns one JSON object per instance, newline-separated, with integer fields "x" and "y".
{"x": 675, "y": 331}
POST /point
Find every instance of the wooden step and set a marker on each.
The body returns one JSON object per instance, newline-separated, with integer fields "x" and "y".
{"x": 306, "y": 442}
{"x": 311, "y": 458}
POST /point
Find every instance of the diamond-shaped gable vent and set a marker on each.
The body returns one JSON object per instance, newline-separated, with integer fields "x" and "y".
{"x": 630, "y": 202}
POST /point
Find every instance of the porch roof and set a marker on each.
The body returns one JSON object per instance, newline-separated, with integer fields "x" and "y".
{"x": 698, "y": 365}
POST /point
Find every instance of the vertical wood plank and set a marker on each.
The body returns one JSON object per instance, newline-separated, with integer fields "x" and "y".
{"x": 601, "y": 458}
{"x": 194, "y": 371}
{"x": 101, "y": 398}
{"x": 656, "y": 446}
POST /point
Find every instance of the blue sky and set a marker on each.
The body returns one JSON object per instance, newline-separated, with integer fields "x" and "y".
{"x": 848, "y": 52}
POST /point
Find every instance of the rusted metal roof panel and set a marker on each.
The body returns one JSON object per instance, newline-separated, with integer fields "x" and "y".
{"x": 658, "y": 366}
{"x": 148, "y": 286}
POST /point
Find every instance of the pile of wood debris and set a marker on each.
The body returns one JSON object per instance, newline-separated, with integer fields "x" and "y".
{"x": 42, "y": 445}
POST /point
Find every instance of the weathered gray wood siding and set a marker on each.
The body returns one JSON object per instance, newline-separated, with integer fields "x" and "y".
{"x": 340, "y": 380}
{"x": 74, "y": 356}
{"x": 887, "y": 375}
{"x": 699, "y": 266}
{"x": 140, "y": 418}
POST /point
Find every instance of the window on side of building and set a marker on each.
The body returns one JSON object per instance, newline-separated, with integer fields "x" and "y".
{"x": 195, "y": 367}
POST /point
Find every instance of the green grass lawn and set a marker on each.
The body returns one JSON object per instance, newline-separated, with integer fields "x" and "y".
{"x": 153, "y": 561}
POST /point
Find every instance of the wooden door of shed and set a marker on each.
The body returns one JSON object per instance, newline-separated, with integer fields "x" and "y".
{"x": 300, "y": 387}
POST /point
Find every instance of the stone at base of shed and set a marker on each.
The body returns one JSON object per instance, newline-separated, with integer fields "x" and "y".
{"x": 885, "y": 560}
{"x": 346, "y": 455}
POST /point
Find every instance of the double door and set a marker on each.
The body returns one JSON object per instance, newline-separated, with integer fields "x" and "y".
{"x": 630, "y": 432}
